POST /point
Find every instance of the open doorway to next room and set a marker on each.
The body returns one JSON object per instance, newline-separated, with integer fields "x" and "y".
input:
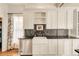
{"x": 16, "y": 30}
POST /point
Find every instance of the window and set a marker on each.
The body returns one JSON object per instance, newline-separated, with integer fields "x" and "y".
{"x": 18, "y": 31}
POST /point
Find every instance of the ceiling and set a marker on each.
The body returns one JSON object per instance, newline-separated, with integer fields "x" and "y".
{"x": 45, "y": 4}
{"x": 37, "y": 4}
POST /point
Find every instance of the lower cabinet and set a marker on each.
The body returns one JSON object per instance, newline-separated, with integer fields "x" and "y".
{"x": 46, "y": 47}
{"x": 40, "y": 47}
{"x": 75, "y": 46}
{"x": 55, "y": 47}
{"x": 60, "y": 47}
{"x": 52, "y": 47}
{"x": 65, "y": 47}
{"x": 68, "y": 47}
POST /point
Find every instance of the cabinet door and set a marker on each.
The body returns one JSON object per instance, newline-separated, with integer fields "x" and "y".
{"x": 60, "y": 47}
{"x": 35, "y": 47}
{"x": 52, "y": 47}
{"x": 40, "y": 47}
{"x": 28, "y": 19}
{"x": 43, "y": 49}
{"x": 52, "y": 19}
{"x": 75, "y": 46}
{"x": 68, "y": 47}
{"x": 62, "y": 18}
{"x": 70, "y": 18}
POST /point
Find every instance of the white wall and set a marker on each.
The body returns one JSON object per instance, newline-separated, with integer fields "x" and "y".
{"x": 15, "y": 8}
{"x": 20, "y": 8}
{"x": 40, "y": 5}
{"x": 3, "y": 14}
{"x": 71, "y": 5}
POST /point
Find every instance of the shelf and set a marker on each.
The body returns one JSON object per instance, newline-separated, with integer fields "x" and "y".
{"x": 40, "y": 17}
{"x": 40, "y": 14}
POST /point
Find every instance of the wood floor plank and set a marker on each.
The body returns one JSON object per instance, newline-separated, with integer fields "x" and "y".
{"x": 9, "y": 53}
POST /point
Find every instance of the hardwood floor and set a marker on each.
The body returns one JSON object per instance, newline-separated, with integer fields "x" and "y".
{"x": 9, "y": 53}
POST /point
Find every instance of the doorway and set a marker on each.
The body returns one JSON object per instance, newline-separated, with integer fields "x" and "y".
{"x": 16, "y": 30}
{"x": 0, "y": 34}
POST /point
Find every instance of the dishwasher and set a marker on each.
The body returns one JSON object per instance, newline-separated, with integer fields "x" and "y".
{"x": 25, "y": 47}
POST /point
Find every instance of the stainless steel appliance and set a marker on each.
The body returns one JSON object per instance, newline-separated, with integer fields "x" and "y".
{"x": 25, "y": 48}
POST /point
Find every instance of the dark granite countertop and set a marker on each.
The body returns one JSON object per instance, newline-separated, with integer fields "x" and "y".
{"x": 60, "y": 37}
{"x": 52, "y": 37}
{"x": 29, "y": 37}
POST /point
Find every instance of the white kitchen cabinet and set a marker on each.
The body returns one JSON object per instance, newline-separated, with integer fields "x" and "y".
{"x": 52, "y": 19}
{"x": 75, "y": 46}
{"x": 40, "y": 16}
{"x": 34, "y": 16}
{"x": 69, "y": 18}
{"x": 52, "y": 47}
{"x": 61, "y": 18}
{"x": 28, "y": 19}
{"x": 75, "y": 31}
{"x": 39, "y": 46}
{"x": 65, "y": 47}
{"x": 61, "y": 47}
{"x": 68, "y": 45}
{"x": 62, "y": 24}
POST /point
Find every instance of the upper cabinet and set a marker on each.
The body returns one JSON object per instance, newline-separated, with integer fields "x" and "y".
{"x": 56, "y": 18}
{"x": 69, "y": 18}
{"x": 52, "y": 19}
{"x": 65, "y": 18}
{"x": 34, "y": 16}
{"x": 28, "y": 19}
{"x": 62, "y": 18}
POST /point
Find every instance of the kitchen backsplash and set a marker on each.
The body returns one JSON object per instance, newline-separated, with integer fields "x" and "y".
{"x": 49, "y": 33}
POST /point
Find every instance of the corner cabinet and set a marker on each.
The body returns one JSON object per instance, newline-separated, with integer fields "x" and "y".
{"x": 52, "y": 19}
